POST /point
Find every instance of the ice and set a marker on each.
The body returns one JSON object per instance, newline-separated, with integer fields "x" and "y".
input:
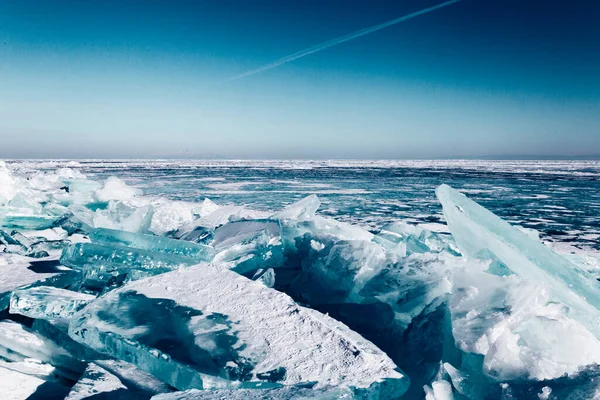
{"x": 478, "y": 232}
{"x": 303, "y": 209}
{"x": 152, "y": 243}
{"x": 115, "y": 189}
{"x": 228, "y": 232}
{"x": 122, "y": 216}
{"x": 18, "y": 271}
{"x": 96, "y": 382}
{"x": 194, "y": 295}
{"x": 16, "y": 385}
{"x": 206, "y": 327}
{"x": 284, "y": 393}
{"x": 321, "y": 226}
{"x": 439, "y": 390}
{"x": 246, "y": 246}
{"x": 265, "y": 276}
{"x": 170, "y": 215}
{"x": 47, "y": 302}
{"x": 17, "y": 344}
{"x": 139, "y": 384}
{"x": 21, "y": 201}
{"x": 27, "y": 222}
{"x": 220, "y": 216}
{"x": 378, "y": 291}
{"x": 8, "y": 187}
{"x": 105, "y": 266}
{"x": 515, "y": 326}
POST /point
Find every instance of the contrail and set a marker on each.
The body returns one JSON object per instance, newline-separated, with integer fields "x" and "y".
{"x": 341, "y": 39}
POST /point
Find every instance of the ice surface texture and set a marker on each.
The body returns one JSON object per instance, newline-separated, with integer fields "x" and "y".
{"x": 189, "y": 328}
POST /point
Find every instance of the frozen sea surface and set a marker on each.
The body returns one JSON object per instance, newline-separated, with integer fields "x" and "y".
{"x": 136, "y": 278}
{"x": 561, "y": 199}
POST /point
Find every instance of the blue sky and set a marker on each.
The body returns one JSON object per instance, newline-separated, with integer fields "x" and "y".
{"x": 146, "y": 79}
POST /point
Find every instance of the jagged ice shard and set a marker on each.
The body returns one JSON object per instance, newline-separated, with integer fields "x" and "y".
{"x": 478, "y": 233}
{"x": 208, "y": 327}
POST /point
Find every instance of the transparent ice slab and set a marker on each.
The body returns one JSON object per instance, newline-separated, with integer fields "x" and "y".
{"x": 156, "y": 244}
{"x": 478, "y": 231}
{"x": 27, "y": 221}
{"x": 18, "y": 272}
{"x": 119, "y": 260}
{"x": 18, "y": 343}
{"x": 46, "y": 302}
{"x": 96, "y": 382}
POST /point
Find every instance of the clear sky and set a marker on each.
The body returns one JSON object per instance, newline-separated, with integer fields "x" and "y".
{"x": 148, "y": 78}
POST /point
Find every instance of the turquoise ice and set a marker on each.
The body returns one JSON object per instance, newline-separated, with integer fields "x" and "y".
{"x": 47, "y": 302}
{"x": 152, "y": 243}
{"x": 478, "y": 232}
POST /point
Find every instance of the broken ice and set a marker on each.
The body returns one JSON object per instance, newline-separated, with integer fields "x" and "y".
{"x": 152, "y": 295}
{"x": 207, "y": 327}
{"x": 47, "y": 302}
{"x": 479, "y": 232}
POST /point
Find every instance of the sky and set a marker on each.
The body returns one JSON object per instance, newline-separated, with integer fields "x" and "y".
{"x": 153, "y": 79}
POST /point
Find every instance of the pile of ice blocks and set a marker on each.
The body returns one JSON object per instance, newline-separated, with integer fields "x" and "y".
{"x": 106, "y": 293}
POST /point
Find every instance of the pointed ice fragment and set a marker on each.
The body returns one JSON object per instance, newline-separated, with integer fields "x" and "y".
{"x": 96, "y": 382}
{"x": 477, "y": 230}
{"x": 57, "y": 332}
{"x": 122, "y": 216}
{"x": 140, "y": 384}
{"x": 439, "y": 390}
{"x": 157, "y": 244}
{"x": 21, "y": 201}
{"x": 226, "y": 234}
{"x": 207, "y": 327}
{"x": 265, "y": 276}
{"x": 46, "y": 302}
{"x": 115, "y": 189}
{"x": 70, "y": 223}
{"x": 246, "y": 246}
{"x": 302, "y": 209}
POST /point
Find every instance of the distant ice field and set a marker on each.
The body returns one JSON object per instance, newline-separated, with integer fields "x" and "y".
{"x": 561, "y": 199}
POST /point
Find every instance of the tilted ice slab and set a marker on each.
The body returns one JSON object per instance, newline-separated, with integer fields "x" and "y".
{"x": 302, "y": 209}
{"x": 119, "y": 259}
{"x": 47, "y": 302}
{"x": 208, "y": 327}
{"x": 17, "y": 344}
{"x": 95, "y": 381}
{"x": 479, "y": 233}
{"x": 152, "y": 243}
